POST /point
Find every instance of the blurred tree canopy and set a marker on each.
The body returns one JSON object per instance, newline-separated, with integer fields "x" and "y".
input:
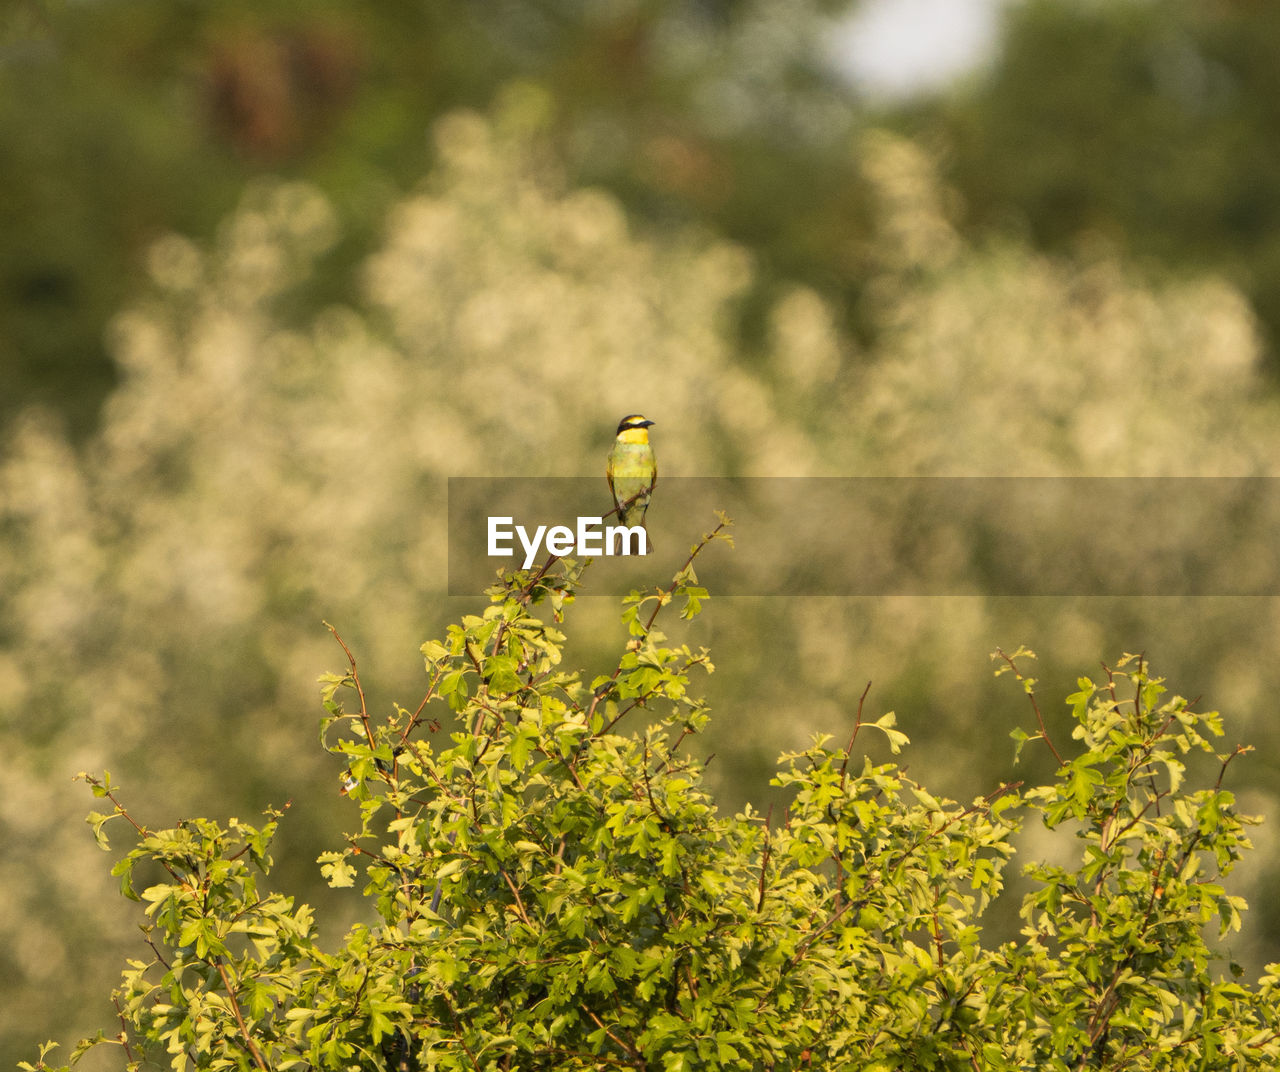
{"x": 122, "y": 120}
{"x": 1152, "y": 124}
{"x": 259, "y": 468}
{"x": 125, "y": 119}
{"x": 336, "y": 257}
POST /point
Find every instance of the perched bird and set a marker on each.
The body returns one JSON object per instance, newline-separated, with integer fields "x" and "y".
{"x": 632, "y": 469}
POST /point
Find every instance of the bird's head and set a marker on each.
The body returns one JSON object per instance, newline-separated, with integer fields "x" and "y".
{"x": 634, "y": 428}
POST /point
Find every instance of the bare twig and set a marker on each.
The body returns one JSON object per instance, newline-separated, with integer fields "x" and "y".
{"x": 1044, "y": 732}
{"x": 415, "y": 718}
{"x": 622, "y": 1044}
{"x": 516, "y": 894}
{"x": 764, "y": 859}
{"x": 235, "y": 1008}
{"x": 124, "y": 1028}
{"x": 355, "y": 681}
{"x": 857, "y": 725}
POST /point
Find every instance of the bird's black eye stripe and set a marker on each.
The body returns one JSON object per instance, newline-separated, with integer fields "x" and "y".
{"x": 634, "y": 420}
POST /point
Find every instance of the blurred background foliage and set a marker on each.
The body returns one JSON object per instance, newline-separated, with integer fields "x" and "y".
{"x": 125, "y": 119}
{"x": 1150, "y": 124}
{"x": 270, "y": 275}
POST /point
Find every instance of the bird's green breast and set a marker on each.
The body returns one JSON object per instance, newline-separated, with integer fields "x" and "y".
{"x": 631, "y": 474}
{"x": 631, "y": 461}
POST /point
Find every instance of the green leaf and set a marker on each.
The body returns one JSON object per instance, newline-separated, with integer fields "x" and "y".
{"x": 1020, "y": 738}
{"x": 434, "y": 652}
{"x": 97, "y": 821}
{"x": 897, "y": 739}
{"x": 336, "y": 870}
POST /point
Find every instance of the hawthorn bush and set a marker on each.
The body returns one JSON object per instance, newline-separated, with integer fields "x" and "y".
{"x": 555, "y": 889}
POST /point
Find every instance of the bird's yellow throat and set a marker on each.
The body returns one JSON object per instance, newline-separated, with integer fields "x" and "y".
{"x": 634, "y": 435}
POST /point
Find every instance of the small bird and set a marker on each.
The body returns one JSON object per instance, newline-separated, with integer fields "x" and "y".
{"x": 632, "y": 469}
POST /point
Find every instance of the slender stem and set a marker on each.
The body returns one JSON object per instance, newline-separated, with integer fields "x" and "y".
{"x": 663, "y": 597}
{"x": 764, "y": 860}
{"x": 355, "y": 680}
{"x": 1044, "y": 732}
{"x": 124, "y": 1029}
{"x": 235, "y": 1008}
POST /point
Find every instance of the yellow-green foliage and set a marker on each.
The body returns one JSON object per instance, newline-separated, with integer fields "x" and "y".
{"x": 552, "y": 885}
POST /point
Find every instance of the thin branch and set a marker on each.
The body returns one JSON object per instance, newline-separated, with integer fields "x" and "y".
{"x": 663, "y": 597}
{"x": 141, "y": 830}
{"x": 516, "y": 894}
{"x": 355, "y": 681}
{"x": 628, "y": 1047}
{"x": 1044, "y": 732}
{"x": 1137, "y": 689}
{"x": 663, "y": 820}
{"x": 156, "y": 950}
{"x": 764, "y": 859}
{"x": 124, "y": 1028}
{"x": 857, "y": 725}
{"x": 1240, "y": 750}
{"x": 526, "y": 595}
{"x": 235, "y": 1008}
{"x": 457, "y": 1026}
{"x": 416, "y": 716}
{"x": 1111, "y": 683}
{"x": 640, "y": 700}
{"x": 937, "y": 932}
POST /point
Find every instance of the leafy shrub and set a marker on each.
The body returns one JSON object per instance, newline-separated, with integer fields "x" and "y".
{"x": 555, "y": 888}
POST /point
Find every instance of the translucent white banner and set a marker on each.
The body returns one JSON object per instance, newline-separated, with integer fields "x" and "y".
{"x": 865, "y": 536}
